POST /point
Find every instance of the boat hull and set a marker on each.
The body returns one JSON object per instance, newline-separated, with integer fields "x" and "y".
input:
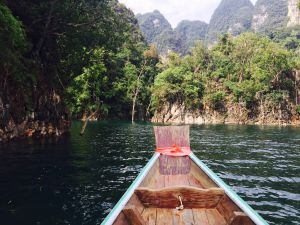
{"x": 166, "y": 183}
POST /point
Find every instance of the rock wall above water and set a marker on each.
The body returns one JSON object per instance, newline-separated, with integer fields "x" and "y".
{"x": 234, "y": 114}
{"x": 293, "y": 13}
{"x": 48, "y": 117}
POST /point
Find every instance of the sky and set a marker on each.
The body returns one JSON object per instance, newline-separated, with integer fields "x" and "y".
{"x": 176, "y": 10}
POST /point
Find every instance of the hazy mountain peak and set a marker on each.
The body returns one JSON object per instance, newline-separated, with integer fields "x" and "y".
{"x": 232, "y": 16}
{"x": 153, "y": 24}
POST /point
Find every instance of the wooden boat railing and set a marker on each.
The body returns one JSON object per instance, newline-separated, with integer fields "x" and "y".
{"x": 256, "y": 218}
{"x": 130, "y": 191}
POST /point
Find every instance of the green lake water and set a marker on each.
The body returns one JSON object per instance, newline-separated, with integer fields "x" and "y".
{"x": 77, "y": 180}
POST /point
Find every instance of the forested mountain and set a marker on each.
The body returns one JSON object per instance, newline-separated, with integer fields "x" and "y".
{"x": 189, "y": 32}
{"x": 269, "y": 15}
{"x": 157, "y": 30}
{"x": 153, "y": 24}
{"x": 231, "y": 16}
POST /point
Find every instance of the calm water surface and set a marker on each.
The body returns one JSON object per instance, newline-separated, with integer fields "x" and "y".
{"x": 77, "y": 180}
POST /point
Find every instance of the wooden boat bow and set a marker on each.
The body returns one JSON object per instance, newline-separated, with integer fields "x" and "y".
{"x": 180, "y": 189}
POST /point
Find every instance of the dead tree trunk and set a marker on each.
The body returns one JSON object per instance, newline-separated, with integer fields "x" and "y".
{"x": 137, "y": 91}
{"x": 148, "y": 108}
{"x": 85, "y": 122}
{"x": 133, "y": 107}
{"x": 296, "y": 75}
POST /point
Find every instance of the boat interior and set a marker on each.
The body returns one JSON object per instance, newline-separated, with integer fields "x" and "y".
{"x": 177, "y": 191}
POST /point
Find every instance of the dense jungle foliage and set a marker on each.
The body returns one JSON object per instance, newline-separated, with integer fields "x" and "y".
{"x": 90, "y": 53}
{"x": 250, "y": 71}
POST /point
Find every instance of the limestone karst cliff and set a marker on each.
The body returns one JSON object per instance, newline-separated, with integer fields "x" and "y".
{"x": 269, "y": 14}
{"x": 293, "y": 13}
{"x": 157, "y": 30}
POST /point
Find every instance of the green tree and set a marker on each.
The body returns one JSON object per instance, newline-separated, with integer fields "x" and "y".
{"x": 138, "y": 79}
{"x": 13, "y": 45}
{"x": 177, "y": 84}
{"x": 90, "y": 88}
{"x": 248, "y": 70}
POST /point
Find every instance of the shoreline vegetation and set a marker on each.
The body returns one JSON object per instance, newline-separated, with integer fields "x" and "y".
{"x": 247, "y": 79}
{"x": 58, "y": 63}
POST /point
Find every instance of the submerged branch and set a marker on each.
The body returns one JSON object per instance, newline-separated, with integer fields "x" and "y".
{"x": 85, "y": 122}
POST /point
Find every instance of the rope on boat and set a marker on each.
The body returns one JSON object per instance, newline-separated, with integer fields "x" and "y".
{"x": 181, "y": 207}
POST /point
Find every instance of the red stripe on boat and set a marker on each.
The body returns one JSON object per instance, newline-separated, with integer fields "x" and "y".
{"x": 174, "y": 151}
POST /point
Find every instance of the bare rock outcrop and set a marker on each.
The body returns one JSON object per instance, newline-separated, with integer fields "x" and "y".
{"x": 294, "y": 13}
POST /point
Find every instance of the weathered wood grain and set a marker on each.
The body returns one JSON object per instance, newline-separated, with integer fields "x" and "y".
{"x": 240, "y": 218}
{"x": 158, "y": 182}
{"x": 121, "y": 220}
{"x": 227, "y": 207}
{"x": 200, "y": 217}
{"x": 183, "y": 217}
{"x": 149, "y": 215}
{"x": 153, "y": 172}
{"x": 133, "y": 216}
{"x": 214, "y": 217}
{"x": 173, "y": 165}
{"x": 194, "y": 182}
{"x": 176, "y": 180}
{"x": 167, "y": 136}
{"x": 188, "y": 217}
{"x": 164, "y": 217}
{"x": 201, "y": 177}
{"x": 192, "y": 197}
{"x": 136, "y": 203}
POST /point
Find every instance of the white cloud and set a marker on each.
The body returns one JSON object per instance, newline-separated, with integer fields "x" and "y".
{"x": 176, "y": 10}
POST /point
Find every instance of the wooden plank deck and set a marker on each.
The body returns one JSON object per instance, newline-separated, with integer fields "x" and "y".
{"x": 158, "y": 216}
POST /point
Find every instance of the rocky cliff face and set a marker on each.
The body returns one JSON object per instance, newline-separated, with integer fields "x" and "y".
{"x": 269, "y": 14}
{"x": 234, "y": 114}
{"x": 293, "y": 13}
{"x": 48, "y": 116}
